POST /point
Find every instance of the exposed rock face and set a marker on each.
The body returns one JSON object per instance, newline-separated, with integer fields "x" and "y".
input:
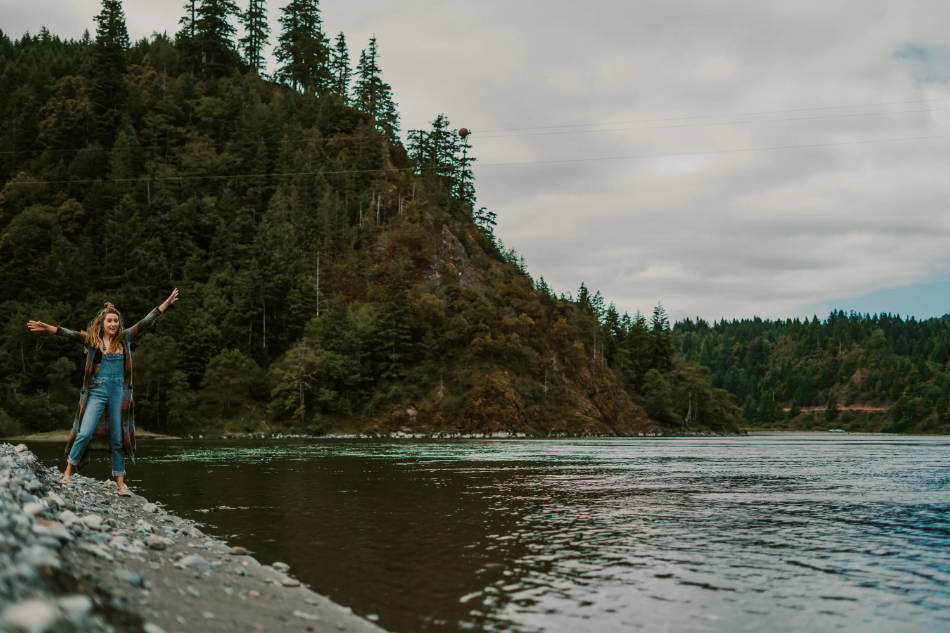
{"x": 80, "y": 558}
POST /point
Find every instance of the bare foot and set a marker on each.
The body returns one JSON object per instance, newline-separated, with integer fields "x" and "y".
{"x": 65, "y": 480}
{"x": 124, "y": 491}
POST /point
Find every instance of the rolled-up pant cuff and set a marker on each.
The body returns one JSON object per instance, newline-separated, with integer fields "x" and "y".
{"x": 115, "y": 474}
{"x": 72, "y": 462}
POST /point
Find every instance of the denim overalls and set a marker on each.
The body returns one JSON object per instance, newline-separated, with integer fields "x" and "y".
{"x": 105, "y": 392}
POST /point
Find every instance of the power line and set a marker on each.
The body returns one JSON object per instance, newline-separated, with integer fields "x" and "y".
{"x": 769, "y": 148}
{"x": 718, "y": 116}
{"x": 550, "y": 130}
{"x": 712, "y": 123}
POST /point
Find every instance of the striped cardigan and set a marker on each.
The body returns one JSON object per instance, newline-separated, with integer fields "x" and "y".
{"x": 100, "y": 438}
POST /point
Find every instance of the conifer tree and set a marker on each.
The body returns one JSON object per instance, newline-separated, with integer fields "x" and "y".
{"x": 443, "y": 148}
{"x": 374, "y": 96}
{"x": 418, "y": 148}
{"x": 303, "y": 51}
{"x": 109, "y": 89}
{"x": 486, "y": 221}
{"x": 214, "y": 33}
{"x": 187, "y": 21}
{"x": 256, "y": 31}
{"x": 584, "y": 298}
{"x": 340, "y": 71}
{"x": 465, "y": 183}
{"x": 636, "y": 353}
{"x": 661, "y": 340}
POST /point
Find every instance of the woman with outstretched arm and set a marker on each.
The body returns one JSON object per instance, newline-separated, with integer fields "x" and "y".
{"x": 106, "y": 388}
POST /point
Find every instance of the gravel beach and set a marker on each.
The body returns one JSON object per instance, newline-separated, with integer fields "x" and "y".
{"x": 79, "y": 558}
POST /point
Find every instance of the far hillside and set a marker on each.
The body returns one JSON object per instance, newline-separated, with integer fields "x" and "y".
{"x": 853, "y": 371}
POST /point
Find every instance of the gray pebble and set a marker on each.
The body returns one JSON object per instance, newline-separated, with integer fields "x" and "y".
{"x": 52, "y": 528}
{"x": 32, "y": 508}
{"x": 237, "y": 550}
{"x": 68, "y": 517}
{"x": 76, "y": 607}
{"x": 153, "y": 628}
{"x": 97, "y": 550}
{"x": 92, "y": 521}
{"x": 130, "y": 577}
{"x": 38, "y": 556}
{"x": 195, "y": 562}
{"x": 313, "y": 617}
{"x": 282, "y": 567}
{"x": 32, "y": 616}
{"x": 149, "y": 507}
{"x": 157, "y": 542}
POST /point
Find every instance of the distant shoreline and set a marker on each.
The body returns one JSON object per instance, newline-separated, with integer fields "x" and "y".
{"x": 61, "y": 436}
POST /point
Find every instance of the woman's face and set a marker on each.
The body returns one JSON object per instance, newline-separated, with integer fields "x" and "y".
{"x": 111, "y": 324}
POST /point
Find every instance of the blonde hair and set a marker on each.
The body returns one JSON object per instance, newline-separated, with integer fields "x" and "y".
{"x": 95, "y": 331}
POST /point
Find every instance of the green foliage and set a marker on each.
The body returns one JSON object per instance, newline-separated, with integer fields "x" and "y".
{"x": 256, "y": 31}
{"x": 883, "y": 371}
{"x": 340, "y": 71}
{"x": 108, "y": 81}
{"x": 303, "y": 51}
{"x": 374, "y": 96}
{"x": 231, "y": 383}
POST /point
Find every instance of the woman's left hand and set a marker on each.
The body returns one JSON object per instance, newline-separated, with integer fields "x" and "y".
{"x": 172, "y": 298}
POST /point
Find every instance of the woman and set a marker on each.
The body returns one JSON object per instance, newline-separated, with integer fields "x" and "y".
{"x": 106, "y": 388}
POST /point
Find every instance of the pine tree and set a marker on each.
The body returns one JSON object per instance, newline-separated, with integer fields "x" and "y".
{"x": 661, "y": 340}
{"x": 214, "y": 33}
{"x": 542, "y": 286}
{"x": 486, "y": 221}
{"x": 303, "y": 51}
{"x": 340, "y": 71}
{"x": 465, "y": 179}
{"x": 418, "y": 146}
{"x": 256, "y": 31}
{"x": 374, "y": 96}
{"x": 109, "y": 89}
{"x": 187, "y": 22}
{"x": 584, "y": 298}
{"x": 443, "y": 148}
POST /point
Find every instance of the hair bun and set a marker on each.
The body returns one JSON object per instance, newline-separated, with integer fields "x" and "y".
{"x": 108, "y": 304}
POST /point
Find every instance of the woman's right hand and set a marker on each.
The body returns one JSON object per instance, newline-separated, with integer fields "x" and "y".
{"x": 39, "y": 326}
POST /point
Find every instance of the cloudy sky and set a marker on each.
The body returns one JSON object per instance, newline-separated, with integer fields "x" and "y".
{"x": 726, "y": 158}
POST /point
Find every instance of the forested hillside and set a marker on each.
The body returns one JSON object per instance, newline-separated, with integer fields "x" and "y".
{"x": 333, "y": 278}
{"x": 854, "y": 371}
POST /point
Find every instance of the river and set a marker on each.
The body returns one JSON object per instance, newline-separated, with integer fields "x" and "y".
{"x": 772, "y": 532}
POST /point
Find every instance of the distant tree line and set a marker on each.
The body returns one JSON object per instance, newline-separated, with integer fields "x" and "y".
{"x": 849, "y": 365}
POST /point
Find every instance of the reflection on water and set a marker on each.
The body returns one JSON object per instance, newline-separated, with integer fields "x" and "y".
{"x": 779, "y": 532}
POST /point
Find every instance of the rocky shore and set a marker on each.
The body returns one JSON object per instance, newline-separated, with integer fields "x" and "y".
{"x": 80, "y": 558}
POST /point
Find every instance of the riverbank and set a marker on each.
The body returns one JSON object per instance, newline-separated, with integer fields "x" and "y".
{"x": 80, "y": 558}
{"x": 61, "y": 435}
